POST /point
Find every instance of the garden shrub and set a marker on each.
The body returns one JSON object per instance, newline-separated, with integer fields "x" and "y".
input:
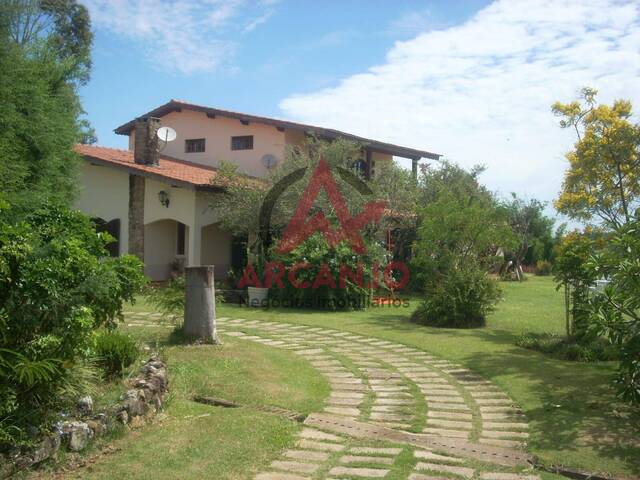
{"x": 615, "y": 312}
{"x": 115, "y": 351}
{"x": 459, "y": 229}
{"x": 543, "y": 268}
{"x": 597, "y": 349}
{"x": 461, "y": 299}
{"x": 328, "y": 294}
{"x": 57, "y": 285}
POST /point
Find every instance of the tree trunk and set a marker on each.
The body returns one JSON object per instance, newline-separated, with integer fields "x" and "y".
{"x": 200, "y": 304}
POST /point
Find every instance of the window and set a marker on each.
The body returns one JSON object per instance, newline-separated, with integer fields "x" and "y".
{"x": 181, "y": 240}
{"x": 113, "y": 229}
{"x": 194, "y": 145}
{"x": 244, "y": 142}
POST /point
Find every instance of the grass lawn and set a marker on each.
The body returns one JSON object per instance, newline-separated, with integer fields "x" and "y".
{"x": 575, "y": 418}
{"x": 194, "y": 441}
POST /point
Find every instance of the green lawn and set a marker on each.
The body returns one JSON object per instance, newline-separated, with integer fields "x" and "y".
{"x": 194, "y": 441}
{"x": 574, "y": 416}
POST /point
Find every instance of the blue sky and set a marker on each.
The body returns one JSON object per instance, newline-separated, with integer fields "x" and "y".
{"x": 473, "y": 80}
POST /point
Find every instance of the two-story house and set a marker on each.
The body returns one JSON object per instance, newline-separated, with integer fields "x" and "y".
{"x": 156, "y": 203}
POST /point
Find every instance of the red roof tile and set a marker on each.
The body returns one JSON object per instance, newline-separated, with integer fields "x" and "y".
{"x": 171, "y": 170}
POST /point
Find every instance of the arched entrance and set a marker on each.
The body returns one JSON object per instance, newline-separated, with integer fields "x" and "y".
{"x": 165, "y": 248}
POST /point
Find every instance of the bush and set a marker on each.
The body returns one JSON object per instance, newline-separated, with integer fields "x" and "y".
{"x": 317, "y": 254}
{"x": 115, "y": 351}
{"x": 462, "y": 299}
{"x": 57, "y": 285}
{"x": 564, "y": 348}
{"x": 543, "y": 268}
{"x": 169, "y": 299}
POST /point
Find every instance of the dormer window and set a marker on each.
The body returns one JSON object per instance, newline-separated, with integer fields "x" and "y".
{"x": 194, "y": 145}
{"x": 244, "y": 142}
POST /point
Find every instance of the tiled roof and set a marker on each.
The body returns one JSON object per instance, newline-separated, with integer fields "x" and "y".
{"x": 324, "y": 133}
{"x": 170, "y": 170}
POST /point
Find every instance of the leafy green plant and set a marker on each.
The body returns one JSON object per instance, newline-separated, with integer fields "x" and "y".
{"x": 615, "y": 312}
{"x": 57, "y": 285}
{"x": 328, "y": 264}
{"x": 565, "y": 348}
{"x": 460, "y": 228}
{"x": 461, "y": 299}
{"x": 115, "y": 351}
{"x": 543, "y": 267}
{"x": 169, "y": 299}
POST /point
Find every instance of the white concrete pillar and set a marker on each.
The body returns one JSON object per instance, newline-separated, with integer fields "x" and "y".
{"x": 194, "y": 253}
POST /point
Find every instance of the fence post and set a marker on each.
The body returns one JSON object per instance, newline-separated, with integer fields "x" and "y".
{"x": 200, "y": 304}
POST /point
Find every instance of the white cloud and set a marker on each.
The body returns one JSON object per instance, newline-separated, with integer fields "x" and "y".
{"x": 185, "y": 36}
{"x": 480, "y": 92}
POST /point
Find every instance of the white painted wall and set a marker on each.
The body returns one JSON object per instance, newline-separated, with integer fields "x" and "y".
{"x": 104, "y": 193}
{"x": 160, "y": 238}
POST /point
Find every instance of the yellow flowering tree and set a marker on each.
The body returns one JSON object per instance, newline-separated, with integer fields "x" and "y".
{"x": 603, "y": 179}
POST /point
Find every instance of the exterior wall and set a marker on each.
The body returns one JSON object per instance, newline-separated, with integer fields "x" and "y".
{"x": 104, "y": 193}
{"x": 378, "y": 158}
{"x": 216, "y": 249}
{"x": 217, "y": 133}
{"x": 159, "y": 248}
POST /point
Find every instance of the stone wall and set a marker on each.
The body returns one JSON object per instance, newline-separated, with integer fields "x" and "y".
{"x": 143, "y": 400}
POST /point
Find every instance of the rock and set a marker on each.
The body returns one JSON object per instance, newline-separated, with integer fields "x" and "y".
{"x": 85, "y": 405}
{"x": 47, "y": 448}
{"x": 123, "y": 417}
{"x": 78, "y": 433}
{"x": 97, "y": 427}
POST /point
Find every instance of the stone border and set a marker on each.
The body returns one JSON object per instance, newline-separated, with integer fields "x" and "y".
{"x": 139, "y": 403}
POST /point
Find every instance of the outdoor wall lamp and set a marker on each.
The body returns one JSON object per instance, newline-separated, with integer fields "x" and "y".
{"x": 164, "y": 198}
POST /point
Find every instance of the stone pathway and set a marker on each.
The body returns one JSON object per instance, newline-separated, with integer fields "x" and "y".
{"x": 391, "y": 409}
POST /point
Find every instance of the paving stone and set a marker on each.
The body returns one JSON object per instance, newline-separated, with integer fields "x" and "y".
{"x": 499, "y": 409}
{"x": 311, "y": 434}
{"x": 390, "y": 388}
{"x": 504, "y": 425}
{"x": 295, "y": 467}
{"x": 349, "y": 412}
{"x": 349, "y": 381}
{"x": 446, "y": 399}
{"x": 508, "y": 476}
{"x": 448, "y": 406}
{"x": 446, "y": 433}
{"x": 502, "y": 416}
{"x": 439, "y": 392}
{"x": 278, "y": 476}
{"x": 394, "y": 394}
{"x": 347, "y": 394}
{"x": 494, "y": 401}
{"x": 450, "y": 415}
{"x": 376, "y": 450}
{"x": 420, "y": 476}
{"x": 359, "y": 472}
{"x": 344, "y": 401}
{"x": 321, "y": 446}
{"x": 427, "y": 455}
{"x": 502, "y": 434}
{"x": 434, "y": 467}
{"x": 501, "y": 443}
{"x": 386, "y": 408}
{"x": 349, "y": 387}
{"x": 366, "y": 459}
{"x": 308, "y": 455}
{"x": 393, "y": 401}
{"x": 390, "y": 417}
{"x": 435, "y": 422}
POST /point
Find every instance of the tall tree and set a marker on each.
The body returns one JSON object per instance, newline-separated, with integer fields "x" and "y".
{"x": 603, "y": 179}
{"x": 44, "y": 57}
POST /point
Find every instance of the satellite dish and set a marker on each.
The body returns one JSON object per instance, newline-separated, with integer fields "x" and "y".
{"x": 269, "y": 161}
{"x": 166, "y": 134}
